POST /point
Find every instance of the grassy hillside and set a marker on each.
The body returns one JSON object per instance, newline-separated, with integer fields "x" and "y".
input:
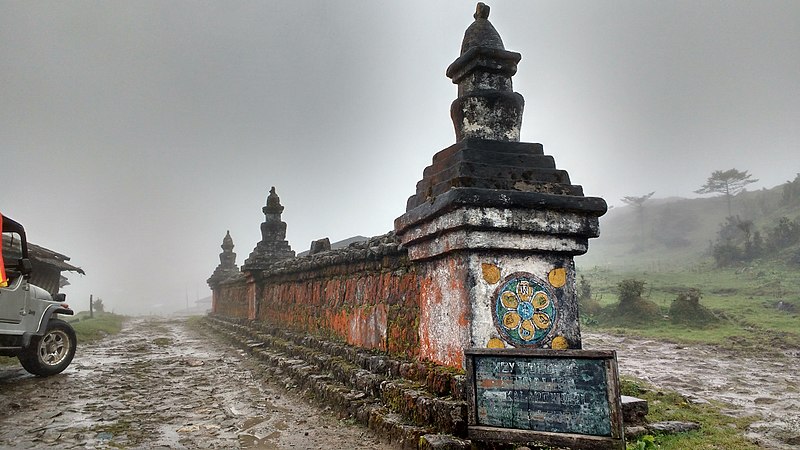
{"x": 677, "y": 234}
{"x": 756, "y": 298}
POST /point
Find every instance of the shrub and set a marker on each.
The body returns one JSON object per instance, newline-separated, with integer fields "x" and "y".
{"x": 632, "y": 306}
{"x": 629, "y": 291}
{"x": 584, "y": 289}
{"x": 737, "y": 241}
{"x": 588, "y": 306}
{"x": 784, "y": 234}
{"x": 725, "y": 253}
{"x": 687, "y": 310}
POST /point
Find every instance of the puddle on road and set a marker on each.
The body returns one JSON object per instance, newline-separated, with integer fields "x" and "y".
{"x": 752, "y": 385}
{"x": 251, "y": 422}
{"x": 262, "y": 443}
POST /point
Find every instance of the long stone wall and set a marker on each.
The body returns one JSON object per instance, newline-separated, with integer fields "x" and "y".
{"x": 366, "y": 295}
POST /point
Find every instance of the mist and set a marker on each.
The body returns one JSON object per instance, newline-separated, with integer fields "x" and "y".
{"x": 134, "y": 134}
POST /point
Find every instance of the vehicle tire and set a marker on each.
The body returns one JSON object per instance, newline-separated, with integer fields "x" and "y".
{"x": 52, "y": 352}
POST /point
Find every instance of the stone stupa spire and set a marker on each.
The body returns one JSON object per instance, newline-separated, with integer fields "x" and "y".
{"x": 227, "y": 262}
{"x": 486, "y": 107}
{"x": 273, "y": 246}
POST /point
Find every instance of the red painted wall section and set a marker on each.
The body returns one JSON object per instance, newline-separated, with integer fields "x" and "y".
{"x": 370, "y": 302}
{"x": 252, "y": 298}
{"x": 231, "y": 300}
{"x": 444, "y": 310}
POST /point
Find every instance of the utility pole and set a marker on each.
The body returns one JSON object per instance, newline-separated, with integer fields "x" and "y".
{"x": 91, "y": 307}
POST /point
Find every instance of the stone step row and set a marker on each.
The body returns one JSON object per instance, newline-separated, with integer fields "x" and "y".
{"x": 438, "y": 380}
{"x": 403, "y": 396}
{"x": 384, "y": 404}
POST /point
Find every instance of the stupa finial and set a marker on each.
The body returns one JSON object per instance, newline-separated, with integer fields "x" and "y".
{"x": 481, "y": 11}
{"x": 486, "y": 107}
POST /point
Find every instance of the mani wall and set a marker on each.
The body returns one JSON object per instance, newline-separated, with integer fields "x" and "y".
{"x": 366, "y": 294}
{"x": 482, "y": 256}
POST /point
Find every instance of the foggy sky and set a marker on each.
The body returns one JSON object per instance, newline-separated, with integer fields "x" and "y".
{"x": 134, "y": 134}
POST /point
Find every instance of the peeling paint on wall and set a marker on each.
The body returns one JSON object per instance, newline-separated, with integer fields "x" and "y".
{"x": 444, "y": 311}
{"x": 368, "y": 327}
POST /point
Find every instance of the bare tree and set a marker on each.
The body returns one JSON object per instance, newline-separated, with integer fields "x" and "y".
{"x": 638, "y": 204}
{"x": 726, "y": 182}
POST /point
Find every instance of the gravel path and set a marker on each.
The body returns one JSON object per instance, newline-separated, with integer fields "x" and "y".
{"x": 765, "y": 386}
{"x": 159, "y": 383}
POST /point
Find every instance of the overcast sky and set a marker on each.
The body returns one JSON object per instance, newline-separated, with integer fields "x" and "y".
{"x": 134, "y": 134}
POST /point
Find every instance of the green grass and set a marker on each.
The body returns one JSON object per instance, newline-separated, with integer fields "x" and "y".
{"x": 93, "y": 329}
{"x": 8, "y": 361}
{"x": 717, "y": 430}
{"x": 744, "y": 299}
{"x": 86, "y": 330}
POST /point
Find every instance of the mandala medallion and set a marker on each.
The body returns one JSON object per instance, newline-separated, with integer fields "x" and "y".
{"x": 524, "y": 310}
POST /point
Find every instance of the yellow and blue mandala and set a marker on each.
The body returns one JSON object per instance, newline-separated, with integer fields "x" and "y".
{"x": 525, "y": 310}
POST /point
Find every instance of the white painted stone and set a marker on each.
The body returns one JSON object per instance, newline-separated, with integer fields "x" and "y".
{"x": 482, "y": 327}
{"x": 501, "y": 240}
{"x": 441, "y": 337}
{"x": 530, "y": 220}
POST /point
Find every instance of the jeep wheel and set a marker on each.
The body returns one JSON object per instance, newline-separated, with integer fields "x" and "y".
{"x": 52, "y": 352}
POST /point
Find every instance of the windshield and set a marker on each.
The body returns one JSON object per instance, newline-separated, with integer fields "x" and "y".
{"x": 12, "y": 248}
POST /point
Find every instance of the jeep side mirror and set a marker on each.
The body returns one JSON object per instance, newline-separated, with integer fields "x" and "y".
{"x": 60, "y": 297}
{"x": 25, "y": 266}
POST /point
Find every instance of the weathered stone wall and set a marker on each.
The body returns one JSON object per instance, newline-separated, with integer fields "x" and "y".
{"x": 366, "y": 294}
{"x": 230, "y": 298}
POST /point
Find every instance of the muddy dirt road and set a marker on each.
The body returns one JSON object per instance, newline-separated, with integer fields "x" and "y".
{"x": 158, "y": 384}
{"x": 765, "y": 386}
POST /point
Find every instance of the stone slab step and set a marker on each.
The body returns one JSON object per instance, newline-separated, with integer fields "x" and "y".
{"x": 417, "y": 405}
{"x": 343, "y": 399}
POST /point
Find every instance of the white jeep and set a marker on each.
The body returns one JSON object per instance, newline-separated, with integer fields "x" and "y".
{"x": 29, "y": 325}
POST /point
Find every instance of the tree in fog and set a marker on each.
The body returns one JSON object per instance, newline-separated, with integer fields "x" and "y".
{"x": 638, "y": 204}
{"x": 726, "y": 182}
{"x": 791, "y": 191}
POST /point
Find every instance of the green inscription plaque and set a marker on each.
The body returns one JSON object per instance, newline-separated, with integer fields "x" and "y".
{"x": 545, "y": 394}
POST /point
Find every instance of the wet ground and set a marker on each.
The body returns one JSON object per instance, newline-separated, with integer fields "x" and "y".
{"x": 768, "y": 386}
{"x": 162, "y": 384}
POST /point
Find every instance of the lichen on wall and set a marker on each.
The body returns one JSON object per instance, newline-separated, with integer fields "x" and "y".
{"x": 366, "y": 295}
{"x": 444, "y": 310}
